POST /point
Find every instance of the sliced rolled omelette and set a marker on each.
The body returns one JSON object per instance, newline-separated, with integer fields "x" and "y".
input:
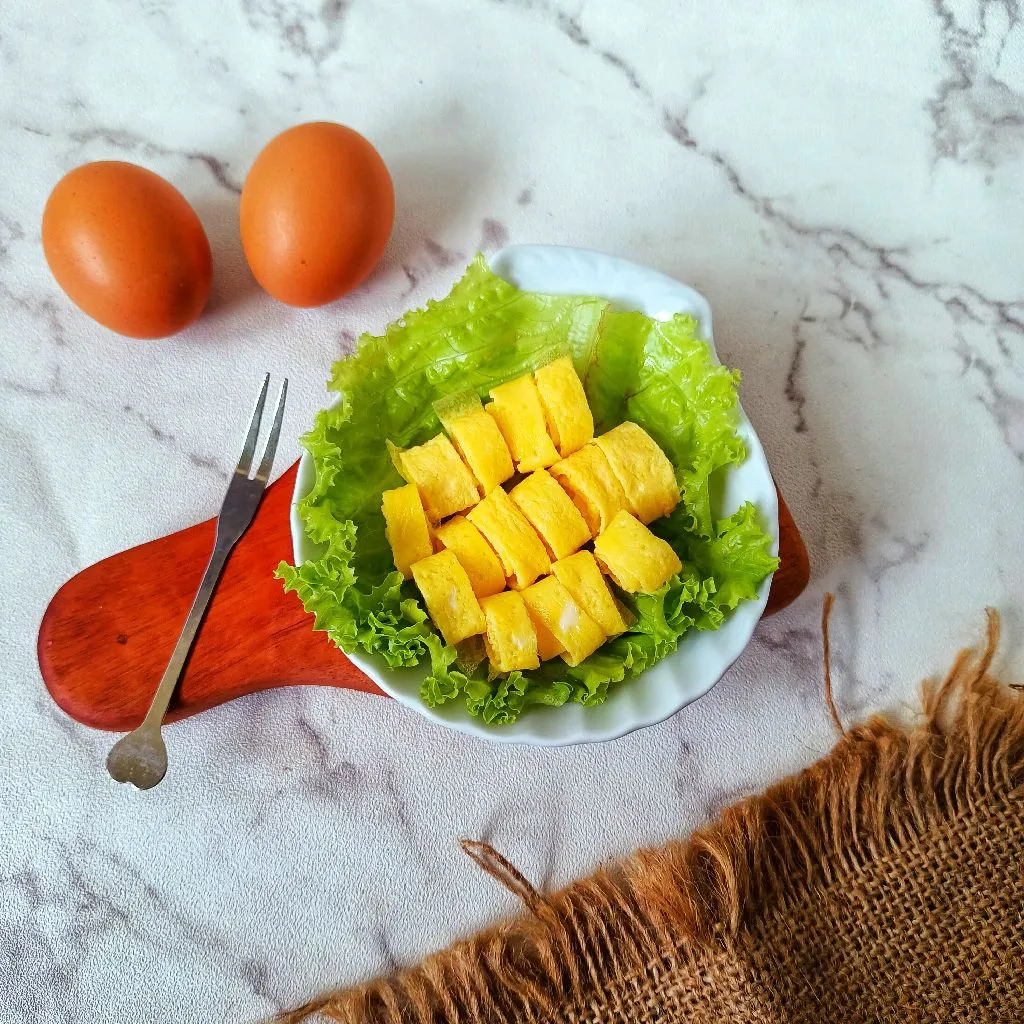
{"x": 517, "y": 410}
{"x": 635, "y": 559}
{"x": 445, "y": 484}
{"x": 548, "y": 646}
{"x": 571, "y": 626}
{"x": 475, "y": 555}
{"x": 594, "y": 489}
{"x": 510, "y": 639}
{"x": 478, "y": 440}
{"x": 566, "y": 410}
{"x": 451, "y": 603}
{"x": 642, "y": 468}
{"x": 551, "y": 513}
{"x": 516, "y": 543}
{"x": 406, "y": 527}
{"x": 581, "y": 576}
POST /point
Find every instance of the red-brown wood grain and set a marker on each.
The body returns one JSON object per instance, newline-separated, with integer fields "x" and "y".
{"x": 794, "y": 569}
{"x": 109, "y": 631}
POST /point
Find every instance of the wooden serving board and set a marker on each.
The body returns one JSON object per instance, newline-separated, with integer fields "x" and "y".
{"x": 108, "y": 632}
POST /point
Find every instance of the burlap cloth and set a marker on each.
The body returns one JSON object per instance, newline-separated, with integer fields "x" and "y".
{"x": 884, "y": 883}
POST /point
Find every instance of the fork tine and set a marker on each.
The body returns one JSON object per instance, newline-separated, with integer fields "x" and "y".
{"x": 245, "y": 460}
{"x": 267, "y": 462}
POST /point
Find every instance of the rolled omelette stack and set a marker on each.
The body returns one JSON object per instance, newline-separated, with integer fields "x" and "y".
{"x": 512, "y": 565}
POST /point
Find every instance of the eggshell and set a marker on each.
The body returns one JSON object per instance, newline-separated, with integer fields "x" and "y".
{"x": 317, "y": 210}
{"x": 127, "y": 249}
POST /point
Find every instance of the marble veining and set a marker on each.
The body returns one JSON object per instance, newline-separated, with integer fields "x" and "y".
{"x": 842, "y": 182}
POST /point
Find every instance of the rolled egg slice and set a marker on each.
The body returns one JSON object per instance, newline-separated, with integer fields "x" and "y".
{"x": 635, "y": 559}
{"x": 551, "y": 513}
{"x": 594, "y": 489}
{"x": 559, "y": 611}
{"x": 510, "y": 638}
{"x": 406, "y": 527}
{"x": 517, "y": 410}
{"x": 445, "y": 484}
{"x": 516, "y": 543}
{"x": 642, "y": 468}
{"x": 476, "y": 556}
{"x": 478, "y": 440}
{"x": 451, "y": 603}
{"x": 581, "y": 576}
{"x": 566, "y": 410}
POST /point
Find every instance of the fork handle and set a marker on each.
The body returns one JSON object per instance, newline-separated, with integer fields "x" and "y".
{"x": 169, "y": 681}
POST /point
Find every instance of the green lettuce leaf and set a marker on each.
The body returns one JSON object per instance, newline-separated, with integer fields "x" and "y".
{"x": 660, "y": 374}
{"x": 737, "y": 557}
{"x": 445, "y": 681}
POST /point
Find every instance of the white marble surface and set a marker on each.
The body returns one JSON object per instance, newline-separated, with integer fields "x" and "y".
{"x": 844, "y": 183}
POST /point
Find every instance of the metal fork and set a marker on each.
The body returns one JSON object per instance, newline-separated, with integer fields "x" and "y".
{"x": 141, "y": 757}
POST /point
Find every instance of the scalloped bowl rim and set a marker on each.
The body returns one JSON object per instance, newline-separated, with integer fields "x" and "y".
{"x": 701, "y": 658}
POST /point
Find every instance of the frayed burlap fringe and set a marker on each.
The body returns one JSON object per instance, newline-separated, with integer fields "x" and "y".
{"x": 685, "y": 906}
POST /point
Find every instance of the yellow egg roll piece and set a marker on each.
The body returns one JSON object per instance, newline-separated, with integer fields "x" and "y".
{"x": 476, "y": 436}
{"x": 516, "y": 409}
{"x": 594, "y": 489}
{"x": 435, "y": 467}
{"x": 510, "y": 639}
{"x": 638, "y": 561}
{"x": 406, "y": 527}
{"x": 571, "y": 626}
{"x": 475, "y": 555}
{"x": 451, "y": 603}
{"x": 515, "y": 542}
{"x": 581, "y": 576}
{"x": 647, "y": 477}
{"x": 551, "y": 513}
{"x": 548, "y": 646}
{"x": 566, "y": 410}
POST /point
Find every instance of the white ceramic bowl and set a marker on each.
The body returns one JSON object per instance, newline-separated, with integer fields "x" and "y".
{"x": 701, "y": 658}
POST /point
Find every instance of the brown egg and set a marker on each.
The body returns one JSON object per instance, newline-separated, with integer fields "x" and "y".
{"x": 127, "y": 249}
{"x": 317, "y": 210}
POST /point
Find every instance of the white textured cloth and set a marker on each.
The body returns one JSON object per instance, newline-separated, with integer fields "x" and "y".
{"x": 844, "y": 187}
